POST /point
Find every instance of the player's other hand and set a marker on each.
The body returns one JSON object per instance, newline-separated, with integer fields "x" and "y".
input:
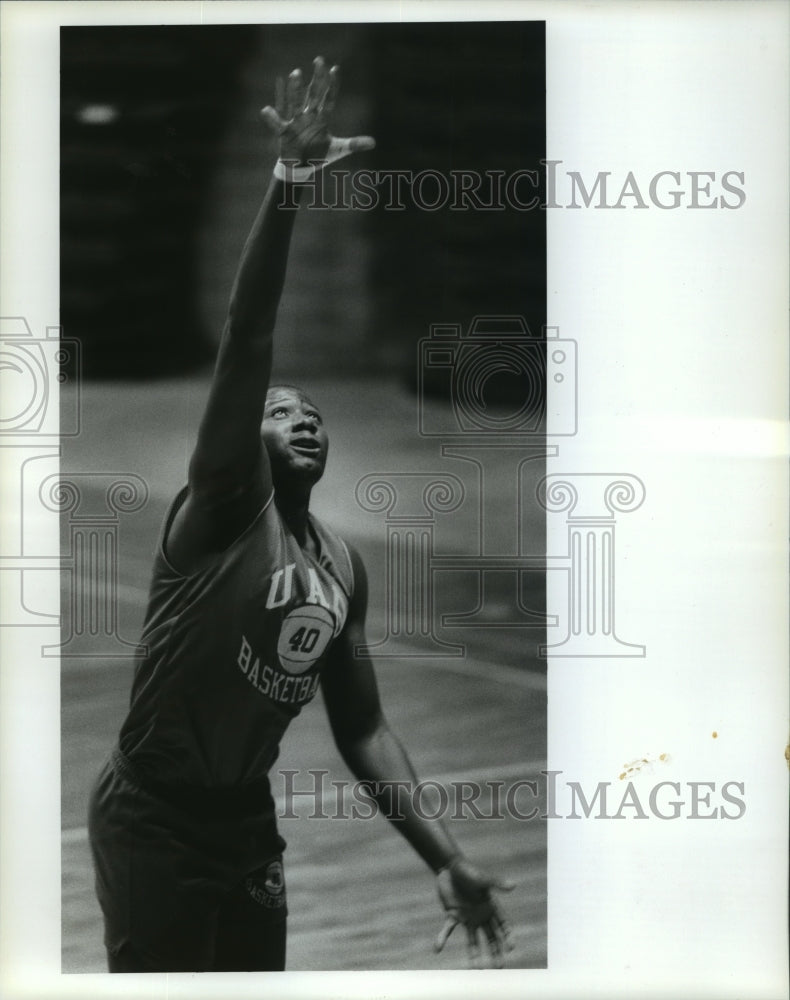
{"x": 465, "y": 894}
{"x": 300, "y": 118}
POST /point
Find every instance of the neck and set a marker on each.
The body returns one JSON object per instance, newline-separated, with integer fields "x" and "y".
{"x": 294, "y": 511}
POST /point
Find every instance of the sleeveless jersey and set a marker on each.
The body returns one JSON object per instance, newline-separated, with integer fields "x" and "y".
{"x": 229, "y": 655}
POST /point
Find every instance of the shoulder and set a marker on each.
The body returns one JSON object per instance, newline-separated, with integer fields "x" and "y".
{"x": 348, "y": 566}
{"x": 358, "y": 602}
{"x": 198, "y": 535}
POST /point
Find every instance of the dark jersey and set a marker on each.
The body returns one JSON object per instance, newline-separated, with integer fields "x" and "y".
{"x": 231, "y": 653}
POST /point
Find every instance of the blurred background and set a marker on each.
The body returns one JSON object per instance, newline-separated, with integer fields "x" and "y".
{"x": 164, "y": 162}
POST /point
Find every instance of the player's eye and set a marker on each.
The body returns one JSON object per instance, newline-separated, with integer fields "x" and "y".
{"x": 315, "y": 416}
{"x": 279, "y": 410}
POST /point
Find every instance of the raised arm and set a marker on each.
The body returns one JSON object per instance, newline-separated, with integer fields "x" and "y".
{"x": 378, "y": 759}
{"x": 229, "y": 474}
{"x": 229, "y": 460}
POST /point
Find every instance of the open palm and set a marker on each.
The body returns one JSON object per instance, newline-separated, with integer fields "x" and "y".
{"x": 300, "y": 118}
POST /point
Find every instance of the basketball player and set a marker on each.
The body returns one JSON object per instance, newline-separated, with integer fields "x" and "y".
{"x": 253, "y": 602}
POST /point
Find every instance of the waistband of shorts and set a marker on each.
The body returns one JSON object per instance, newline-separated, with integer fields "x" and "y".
{"x": 252, "y": 797}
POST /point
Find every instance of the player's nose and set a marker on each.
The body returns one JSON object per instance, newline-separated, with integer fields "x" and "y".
{"x": 305, "y": 421}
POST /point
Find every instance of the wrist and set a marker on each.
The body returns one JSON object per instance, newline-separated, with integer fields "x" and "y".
{"x": 293, "y": 172}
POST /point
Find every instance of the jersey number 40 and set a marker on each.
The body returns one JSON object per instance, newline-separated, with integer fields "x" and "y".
{"x": 304, "y": 636}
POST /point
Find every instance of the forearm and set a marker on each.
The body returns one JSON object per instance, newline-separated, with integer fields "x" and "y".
{"x": 381, "y": 762}
{"x": 261, "y": 273}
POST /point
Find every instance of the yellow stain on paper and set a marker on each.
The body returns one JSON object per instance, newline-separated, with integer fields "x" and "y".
{"x": 641, "y": 763}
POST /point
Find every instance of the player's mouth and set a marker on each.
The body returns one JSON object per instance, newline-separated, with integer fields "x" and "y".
{"x": 306, "y": 446}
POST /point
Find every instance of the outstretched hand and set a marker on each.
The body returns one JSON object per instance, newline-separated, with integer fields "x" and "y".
{"x": 465, "y": 894}
{"x": 300, "y": 118}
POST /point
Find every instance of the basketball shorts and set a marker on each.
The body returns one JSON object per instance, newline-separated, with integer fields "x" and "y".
{"x": 186, "y": 883}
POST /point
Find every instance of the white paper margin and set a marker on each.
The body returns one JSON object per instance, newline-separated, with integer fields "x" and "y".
{"x": 680, "y": 318}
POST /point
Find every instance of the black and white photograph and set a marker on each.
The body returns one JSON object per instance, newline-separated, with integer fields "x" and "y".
{"x": 394, "y": 437}
{"x": 374, "y": 416}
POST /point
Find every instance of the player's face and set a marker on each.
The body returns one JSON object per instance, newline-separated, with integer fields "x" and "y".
{"x": 294, "y": 436}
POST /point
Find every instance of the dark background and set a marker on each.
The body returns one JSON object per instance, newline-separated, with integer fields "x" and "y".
{"x": 158, "y": 195}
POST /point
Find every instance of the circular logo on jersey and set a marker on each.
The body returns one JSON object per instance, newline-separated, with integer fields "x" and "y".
{"x": 269, "y": 891}
{"x": 274, "y": 882}
{"x": 304, "y": 636}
